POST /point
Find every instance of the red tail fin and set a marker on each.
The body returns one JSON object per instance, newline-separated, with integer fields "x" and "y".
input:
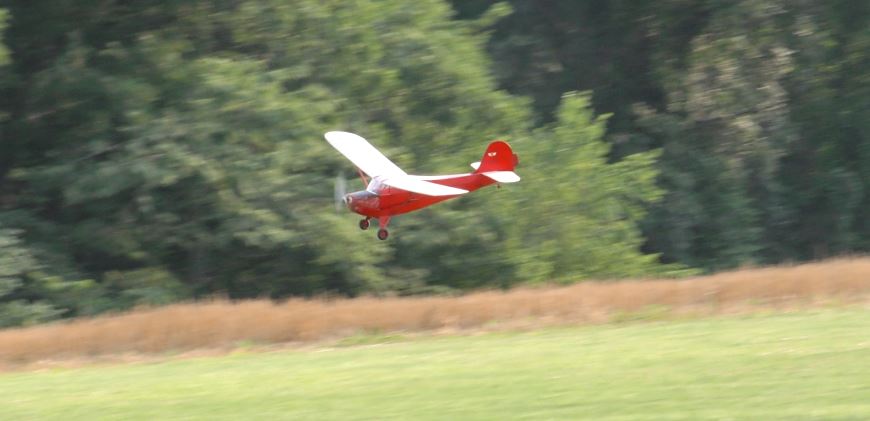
{"x": 498, "y": 157}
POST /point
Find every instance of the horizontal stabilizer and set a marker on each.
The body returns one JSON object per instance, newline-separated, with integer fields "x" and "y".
{"x": 502, "y": 176}
{"x": 475, "y": 165}
{"x": 416, "y": 185}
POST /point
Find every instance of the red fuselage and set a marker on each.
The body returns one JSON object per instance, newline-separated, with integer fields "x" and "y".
{"x": 387, "y": 201}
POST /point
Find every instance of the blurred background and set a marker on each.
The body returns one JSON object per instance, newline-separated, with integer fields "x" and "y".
{"x": 163, "y": 151}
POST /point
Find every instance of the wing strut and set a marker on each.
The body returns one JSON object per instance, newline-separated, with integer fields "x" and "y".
{"x": 362, "y": 177}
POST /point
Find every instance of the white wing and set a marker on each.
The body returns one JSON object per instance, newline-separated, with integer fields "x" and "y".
{"x": 375, "y": 164}
{"x": 416, "y": 185}
{"x": 359, "y": 151}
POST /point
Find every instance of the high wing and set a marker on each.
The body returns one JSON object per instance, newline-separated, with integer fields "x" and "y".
{"x": 372, "y": 162}
{"x": 359, "y": 151}
{"x": 416, "y": 185}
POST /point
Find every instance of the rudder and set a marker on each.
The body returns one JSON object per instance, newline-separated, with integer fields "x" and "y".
{"x": 498, "y": 163}
{"x": 498, "y": 157}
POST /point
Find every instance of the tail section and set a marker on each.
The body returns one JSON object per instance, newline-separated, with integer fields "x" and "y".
{"x": 498, "y": 163}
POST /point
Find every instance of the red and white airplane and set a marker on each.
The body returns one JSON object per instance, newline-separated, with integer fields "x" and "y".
{"x": 392, "y": 191}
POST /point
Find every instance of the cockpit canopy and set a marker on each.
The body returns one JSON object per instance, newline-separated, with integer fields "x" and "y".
{"x": 375, "y": 185}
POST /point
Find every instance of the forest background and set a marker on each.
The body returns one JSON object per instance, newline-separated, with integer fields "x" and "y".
{"x": 160, "y": 151}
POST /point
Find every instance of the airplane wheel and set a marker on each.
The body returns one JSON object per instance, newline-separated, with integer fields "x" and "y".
{"x": 364, "y": 224}
{"x": 383, "y": 234}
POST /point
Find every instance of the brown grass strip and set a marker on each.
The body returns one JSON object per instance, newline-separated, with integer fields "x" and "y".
{"x": 217, "y": 324}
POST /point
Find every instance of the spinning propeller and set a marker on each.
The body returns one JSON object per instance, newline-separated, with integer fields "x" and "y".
{"x": 340, "y": 190}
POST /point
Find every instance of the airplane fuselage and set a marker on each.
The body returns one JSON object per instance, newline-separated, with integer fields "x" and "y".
{"x": 392, "y": 191}
{"x": 381, "y": 200}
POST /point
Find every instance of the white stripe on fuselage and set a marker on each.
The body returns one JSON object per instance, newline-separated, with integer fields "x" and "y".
{"x": 439, "y": 177}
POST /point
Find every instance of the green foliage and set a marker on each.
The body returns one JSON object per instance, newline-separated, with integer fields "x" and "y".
{"x": 148, "y": 286}
{"x": 4, "y": 52}
{"x": 736, "y": 127}
{"x": 759, "y": 109}
{"x": 763, "y": 177}
{"x": 826, "y": 175}
{"x": 184, "y": 157}
{"x": 586, "y": 210}
{"x": 17, "y": 265}
{"x": 156, "y": 151}
{"x": 4, "y": 74}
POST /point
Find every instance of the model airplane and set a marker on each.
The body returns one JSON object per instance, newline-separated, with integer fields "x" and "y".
{"x": 392, "y": 191}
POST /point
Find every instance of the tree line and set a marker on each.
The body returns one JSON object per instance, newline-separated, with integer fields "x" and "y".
{"x": 159, "y": 151}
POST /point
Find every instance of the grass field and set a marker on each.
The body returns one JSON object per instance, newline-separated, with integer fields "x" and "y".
{"x": 813, "y": 364}
{"x": 222, "y": 325}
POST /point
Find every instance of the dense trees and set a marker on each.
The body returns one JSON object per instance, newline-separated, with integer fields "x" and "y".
{"x": 164, "y": 150}
{"x": 760, "y": 110}
{"x": 172, "y": 150}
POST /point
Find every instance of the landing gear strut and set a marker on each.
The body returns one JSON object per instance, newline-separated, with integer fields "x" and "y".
{"x": 382, "y": 223}
{"x": 364, "y": 224}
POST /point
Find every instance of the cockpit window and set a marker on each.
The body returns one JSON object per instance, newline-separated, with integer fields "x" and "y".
{"x": 374, "y": 185}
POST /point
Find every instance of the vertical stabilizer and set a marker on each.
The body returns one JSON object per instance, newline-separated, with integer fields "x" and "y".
{"x": 498, "y": 163}
{"x": 498, "y": 157}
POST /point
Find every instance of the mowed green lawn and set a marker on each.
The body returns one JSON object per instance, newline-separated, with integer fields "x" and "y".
{"x": 809, "y": 365}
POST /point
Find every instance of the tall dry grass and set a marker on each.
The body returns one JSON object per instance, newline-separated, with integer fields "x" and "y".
{"x": 217, "y": 324}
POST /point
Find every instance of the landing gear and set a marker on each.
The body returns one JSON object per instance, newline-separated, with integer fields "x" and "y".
{"x": 382, "y": 223}
{"x": 364, "y": 224}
